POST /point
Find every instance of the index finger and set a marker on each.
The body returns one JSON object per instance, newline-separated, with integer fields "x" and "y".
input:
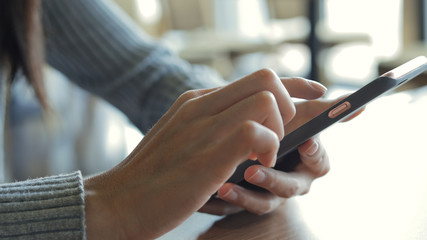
{"x": 262, "y": 80}
{"x": 303, "y": 88}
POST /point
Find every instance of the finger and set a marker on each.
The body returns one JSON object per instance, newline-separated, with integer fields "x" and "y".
{"x": 282, "y": 184}
{"x": 303, "y": 88}
{"x": 188, "y": 95}
{"x": 192, "y": 94}
{"x": 219, "y": 207}
{"x": 254, "y": 202}
{"x": 307, "y": 110}
{"x": 314, "y": 157}
{"x": 251, "y": 137}
{"x": 354, "y": 115}
{"x": 261, "y": 107}
{"x": 262, "y": 80}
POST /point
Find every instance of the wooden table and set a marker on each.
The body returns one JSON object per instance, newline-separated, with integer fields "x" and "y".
{"x": 376, "y": 189}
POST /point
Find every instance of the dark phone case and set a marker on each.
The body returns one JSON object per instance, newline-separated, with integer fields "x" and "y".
{"x": 288, "y": 156}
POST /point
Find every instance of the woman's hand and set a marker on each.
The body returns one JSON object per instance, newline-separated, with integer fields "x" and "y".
{"x": 281, "y": 185}
{"x": 190, "y": 153}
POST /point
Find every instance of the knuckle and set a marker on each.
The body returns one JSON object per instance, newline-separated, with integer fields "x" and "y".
{"x": 266, "y": 98}
{"x": 185, "y": 97}
{"x": 190, "y": 94}
{"x": 267, "y": 102}
{"x": 187, "y": 103}
{"x": 291, "y": 190}
{"x": 190, "y": 105}
{"x": 272, "y": 181}
{"x": 264, "y": 208}
{"x": 186, "y": 109}
{"x": 246, "y": 136}
{"x": 243, "y": 202}
{"x": 266, "y": 77}
{"x": 267, "y": 74}
{"x": 247, "y": 130}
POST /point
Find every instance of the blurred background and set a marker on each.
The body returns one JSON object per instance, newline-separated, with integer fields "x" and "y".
{"x": 341, "y": 43}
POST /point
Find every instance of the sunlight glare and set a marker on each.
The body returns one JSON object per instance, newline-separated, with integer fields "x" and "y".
{"x": 149, "y": 11}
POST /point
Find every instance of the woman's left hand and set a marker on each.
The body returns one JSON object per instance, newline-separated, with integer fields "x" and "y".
{"x": 280, "y": 185}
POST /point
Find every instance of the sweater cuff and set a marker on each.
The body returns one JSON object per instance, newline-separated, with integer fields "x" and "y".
{"x": 44, "y": 208}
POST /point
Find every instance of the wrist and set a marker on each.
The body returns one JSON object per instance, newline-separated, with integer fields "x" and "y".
{"x": 98, "y": 212}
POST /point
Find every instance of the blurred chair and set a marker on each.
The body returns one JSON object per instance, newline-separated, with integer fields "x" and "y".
{"x": 224, "y": 33}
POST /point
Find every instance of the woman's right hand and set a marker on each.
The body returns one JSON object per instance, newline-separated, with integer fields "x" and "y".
{"x": 188, "y": 155}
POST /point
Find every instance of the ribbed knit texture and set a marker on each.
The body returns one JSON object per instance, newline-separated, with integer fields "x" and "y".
{"x": 44, "y": 208}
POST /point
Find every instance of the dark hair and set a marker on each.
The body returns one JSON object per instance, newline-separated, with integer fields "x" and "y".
{"x": 21, "y": 42}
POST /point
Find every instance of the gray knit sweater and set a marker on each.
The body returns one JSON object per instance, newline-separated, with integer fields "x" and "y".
{"x": 46, "y": 208}
{"x": 97, "y": 47}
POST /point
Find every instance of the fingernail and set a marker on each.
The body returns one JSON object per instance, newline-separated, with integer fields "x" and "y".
{"x": 257, "y": 177}
{"x": 231, "y": 195}
{"x": 312, "y": 149}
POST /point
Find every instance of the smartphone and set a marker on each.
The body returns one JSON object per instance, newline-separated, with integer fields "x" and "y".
{"x": 288, "y": 156}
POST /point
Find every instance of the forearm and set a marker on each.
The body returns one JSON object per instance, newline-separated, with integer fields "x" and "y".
{"x": 51, "y": 207}
{"x": 95, "y": 45}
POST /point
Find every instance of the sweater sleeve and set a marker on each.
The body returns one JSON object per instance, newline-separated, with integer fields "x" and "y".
{"x": 44, "y": 208}
{"x": 100, "y": 49}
